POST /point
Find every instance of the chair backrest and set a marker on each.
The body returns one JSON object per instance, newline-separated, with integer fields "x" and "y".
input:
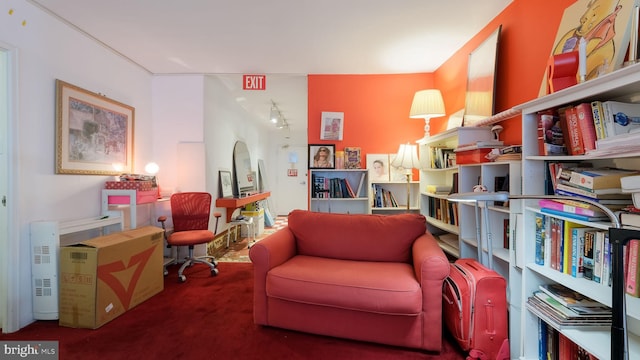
{"x": 190, "y": 211}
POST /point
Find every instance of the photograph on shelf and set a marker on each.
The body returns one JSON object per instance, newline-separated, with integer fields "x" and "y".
{"x": 226, "y": 187}
{"x": 321, "y": 156}
{"x": 378, "y": 166}
{"x": 332, "y": 125}
{"x": 352, "y": 157}
{"x": 94, "y": 134}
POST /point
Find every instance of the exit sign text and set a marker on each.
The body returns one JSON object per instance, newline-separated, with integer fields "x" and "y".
{"x": 254, "y": 82}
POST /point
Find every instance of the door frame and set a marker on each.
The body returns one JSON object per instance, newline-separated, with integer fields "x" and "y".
{"x": 9, "y": 236}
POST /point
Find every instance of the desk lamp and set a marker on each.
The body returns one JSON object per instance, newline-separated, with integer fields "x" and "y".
{"x": 407, "y": 158}
{"x": 618, "y": 237}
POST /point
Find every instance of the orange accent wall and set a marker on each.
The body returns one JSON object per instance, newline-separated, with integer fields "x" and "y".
{"x": 376, "y": 107}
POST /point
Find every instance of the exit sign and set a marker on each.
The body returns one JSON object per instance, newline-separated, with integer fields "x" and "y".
{"x": 254, "y": 82}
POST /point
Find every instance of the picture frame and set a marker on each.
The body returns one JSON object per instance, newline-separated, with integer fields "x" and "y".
{"x": 226, "y": 185}
{"x": 331, "y": 125}
{"x": 94, "y": 134}
{"x": 317, "y": 160}
{"x": 378, "y": 166}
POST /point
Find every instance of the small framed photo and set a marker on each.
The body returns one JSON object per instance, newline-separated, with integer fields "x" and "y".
{"x": 322, "y": 156}
{"x": 226, "y": 187}
{"x": 332, "y": 125}
{"x": 378, "y": 166}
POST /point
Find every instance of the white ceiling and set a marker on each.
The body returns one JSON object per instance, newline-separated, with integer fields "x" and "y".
{"x": 292, "y": 37}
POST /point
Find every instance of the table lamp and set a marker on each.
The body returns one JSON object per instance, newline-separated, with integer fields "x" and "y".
{"x": 618, "y": 237}
{"x": 407, "y": 158}
{"x": 427, "y": 104}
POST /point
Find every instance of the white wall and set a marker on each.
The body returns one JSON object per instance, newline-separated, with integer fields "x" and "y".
{"x": 48, "y": 50}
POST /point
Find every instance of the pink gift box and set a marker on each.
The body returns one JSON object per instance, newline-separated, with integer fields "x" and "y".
{"x": 130, "y": 185}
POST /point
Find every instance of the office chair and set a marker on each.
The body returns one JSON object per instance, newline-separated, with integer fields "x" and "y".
{"x": 190, "y": 213}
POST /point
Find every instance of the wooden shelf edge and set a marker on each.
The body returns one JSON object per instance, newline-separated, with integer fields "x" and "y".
{"x": 231, "y": 204}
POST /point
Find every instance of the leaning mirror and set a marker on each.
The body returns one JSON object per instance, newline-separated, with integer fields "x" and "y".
{"x": 244, "y": 175}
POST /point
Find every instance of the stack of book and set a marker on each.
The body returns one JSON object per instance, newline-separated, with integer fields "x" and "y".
{"x": 563, "y": 307}
{"x": 597, "y": 184}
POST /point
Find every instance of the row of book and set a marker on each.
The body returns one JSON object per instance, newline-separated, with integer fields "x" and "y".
{"x": 583, "y": 252}
{"x": 382, "y": 197}
{"x": 587, "y": 126}
{"x": 573, "y": 249}
{"x": 442, "y": 157}
{"x": 554, "y": 345}
{"x": 325, "y": 187}
{"x": 443, "y": 210}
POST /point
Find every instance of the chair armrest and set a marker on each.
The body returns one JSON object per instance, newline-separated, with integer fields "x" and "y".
{"x": 429, "y": 261}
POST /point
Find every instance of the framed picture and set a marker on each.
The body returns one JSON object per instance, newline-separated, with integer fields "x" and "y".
{"x": 378, "y": 166}
{"x": 322, "y": 156}
{"x": 352, "y": 157}
{"x": 94, "y": 134}
{"x": 331, "y": 126}
{"x": 226, "y": 186}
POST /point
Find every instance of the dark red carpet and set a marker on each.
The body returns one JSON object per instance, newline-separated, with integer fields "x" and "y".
{"x": 206, "y": 318}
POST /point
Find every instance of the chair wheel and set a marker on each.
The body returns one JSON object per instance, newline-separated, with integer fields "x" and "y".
{"x": 182, "y": 278}
{"x": 166, "y": 273}
{"x": 214, "y": 272}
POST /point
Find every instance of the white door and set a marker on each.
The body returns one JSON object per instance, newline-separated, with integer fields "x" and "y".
{"x": 4, "y": 189}
{"x": 292, "y": 190}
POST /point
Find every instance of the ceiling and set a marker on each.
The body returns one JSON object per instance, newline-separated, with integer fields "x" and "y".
{"x": 280, "y": 38}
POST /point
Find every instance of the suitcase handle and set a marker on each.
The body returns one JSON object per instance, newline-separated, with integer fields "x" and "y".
{"x": 489, "y": 312}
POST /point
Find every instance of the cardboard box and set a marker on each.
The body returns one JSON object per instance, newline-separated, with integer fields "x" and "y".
{"x": 103, "y": 277}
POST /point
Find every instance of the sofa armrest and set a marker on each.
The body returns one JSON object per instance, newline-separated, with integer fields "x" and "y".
{"x": 429, "y": 261}
{"x": 266, "y": 254}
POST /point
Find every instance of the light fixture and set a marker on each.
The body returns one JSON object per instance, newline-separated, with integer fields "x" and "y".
{"x": 274, "y": 114}
{"x": 618, "y": 238}
{"x": 152, "y": 169}
{"x": 407, "y": 158}
{"x": 427, "y": 104}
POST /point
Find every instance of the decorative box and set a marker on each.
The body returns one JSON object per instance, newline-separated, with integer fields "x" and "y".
{"x": 475, "y": 156}
{"x": 130, "y": 185}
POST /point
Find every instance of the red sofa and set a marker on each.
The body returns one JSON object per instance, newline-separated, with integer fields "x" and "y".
{"x": 365, "y": 277}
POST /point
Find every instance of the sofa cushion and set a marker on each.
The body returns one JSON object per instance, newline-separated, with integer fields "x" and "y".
{"x": 356, "y": 236}
{"x": 378, "y": 287}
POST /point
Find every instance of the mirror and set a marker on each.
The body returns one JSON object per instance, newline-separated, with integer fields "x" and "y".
{"x": 244, "y": 176}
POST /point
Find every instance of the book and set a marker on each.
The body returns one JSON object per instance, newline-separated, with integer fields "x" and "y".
{"x": 567, "y": 190}
{"x": 550, "y": 137}
{"x": 352, "y": 158}
{"x": 361, "y": 184}
{"x": 438, "y": 189}
{"x": 599, "y": 178}
{"x": 574, "y": 138}
{"x": 605, "y": 273}
{"x": 577, "y": 251}
{"x": 629, "y": 219}
{"x": 542, "y": 340}
{"x": 598, "y": 256}
{"x": 631, "y": 284}
{"x": 567, "y": 250}
{"x": 596, "y": 111}
{"x": 540, "y": 238}
{"x": 588, "y": 260}
{"x": 569, "y": 208}
{"x": 573, "y": 216}
{"x": 621, "y": 117}
{"x": 586, "y": 126}
{"x": 568, "y": 297}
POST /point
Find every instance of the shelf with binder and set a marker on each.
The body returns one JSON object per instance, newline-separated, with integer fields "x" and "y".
{"x": 390, "y": 197}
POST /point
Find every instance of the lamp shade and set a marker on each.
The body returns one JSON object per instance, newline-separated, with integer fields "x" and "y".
{"x": 427, "y": 104}
{"x": 407, "y": 157}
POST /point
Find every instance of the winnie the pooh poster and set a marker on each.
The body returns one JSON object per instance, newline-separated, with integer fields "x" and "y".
{"x": 605, "y": 25}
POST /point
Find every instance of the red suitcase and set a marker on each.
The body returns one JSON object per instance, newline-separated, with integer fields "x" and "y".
{"x": 475, "y": 310}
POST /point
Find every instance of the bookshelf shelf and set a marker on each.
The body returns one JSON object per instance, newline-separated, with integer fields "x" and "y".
{"x": 338, "y": 203}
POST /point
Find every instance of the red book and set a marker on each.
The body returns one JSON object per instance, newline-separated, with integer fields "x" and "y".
{"x": 574, "y": 137}
{"x": 586, "y": 126}
{"x": 631, "y": 283}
